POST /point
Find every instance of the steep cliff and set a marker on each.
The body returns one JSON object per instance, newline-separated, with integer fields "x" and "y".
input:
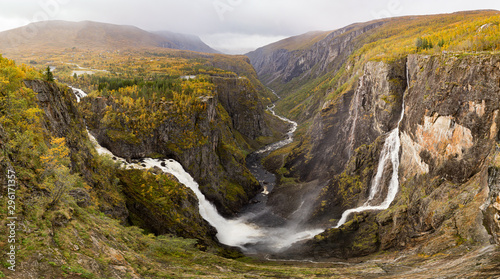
{"x": 63, "y": 119}
{"x": 448, "y": 195}
{"x": 446, "y": 201}
{"x": 239, "y": 99}
{"x": 225, "y": 124}
{"x": 357, "y": 117}
{"x": 294, "y": 66}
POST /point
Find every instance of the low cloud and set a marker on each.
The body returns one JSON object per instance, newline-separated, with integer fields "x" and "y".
{"x": 232, "y": 43}
{"x": 233, "y": 26}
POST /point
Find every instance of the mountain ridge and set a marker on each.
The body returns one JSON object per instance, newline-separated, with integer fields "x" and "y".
{"x": 187, "y": 41}
{"x": 294, "y": 72}
{"x": 59, "y": 34}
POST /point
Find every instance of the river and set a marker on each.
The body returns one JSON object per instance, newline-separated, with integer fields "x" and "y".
{"x": 279, "y": 233}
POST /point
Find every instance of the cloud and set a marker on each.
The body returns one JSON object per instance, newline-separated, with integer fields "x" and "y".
{"x": 233, "y": 43}
{"x": 13, "y": 22}
{"x": 228, "y": 24}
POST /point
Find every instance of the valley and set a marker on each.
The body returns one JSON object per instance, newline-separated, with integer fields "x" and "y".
{"x": 145, "y": 161}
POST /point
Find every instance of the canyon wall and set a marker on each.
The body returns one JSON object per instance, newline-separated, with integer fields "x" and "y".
{"x": 232, "y": 122}
{"x": 448, "y": 195}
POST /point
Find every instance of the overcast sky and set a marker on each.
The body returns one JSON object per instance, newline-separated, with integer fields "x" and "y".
{"x": 232, "y": 26}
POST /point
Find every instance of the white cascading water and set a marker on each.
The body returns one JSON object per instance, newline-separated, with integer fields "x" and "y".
{"x": 230, "y": 232}
{"x": 78, "y": 93}
{"x": 233, "y": 232}
{"x": 289, "y": 135}
{"x": 390, "y": 151}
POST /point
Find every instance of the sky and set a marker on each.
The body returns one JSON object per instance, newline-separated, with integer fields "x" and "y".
{"x": 231, "y": 26}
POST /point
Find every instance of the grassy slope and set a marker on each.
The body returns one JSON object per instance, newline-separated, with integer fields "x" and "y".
{"x": 297, "y": 43}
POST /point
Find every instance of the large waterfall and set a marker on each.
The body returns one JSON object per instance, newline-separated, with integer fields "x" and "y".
{"x": 390, "y": 152}
{"x": 240, "y": 232}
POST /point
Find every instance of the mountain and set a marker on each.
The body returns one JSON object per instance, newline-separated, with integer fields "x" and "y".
{"x": 298, "y": 66}
{"x": 92, "y": 35}
{"x": 292, "y": 65}
{"x": 186, "y": 42}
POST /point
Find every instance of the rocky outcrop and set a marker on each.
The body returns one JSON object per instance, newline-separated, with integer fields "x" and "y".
{"x": 63, "y": 119}
{"x": 232, "y": 120}
{"x": 240, "y": 100}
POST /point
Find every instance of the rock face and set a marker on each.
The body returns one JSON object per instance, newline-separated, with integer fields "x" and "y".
{"x": 239, "y": 99}
{"x": 63, "y": 119}
{"x": 284, "y": 62}
{"x": 491, "y": 208}
{"x": 449, "y": 158}
{"x": 341, "y": 131}
{"x": 233, "y": 116}
{"x": 356, "y": 118}
{"x": 453, "y": 116}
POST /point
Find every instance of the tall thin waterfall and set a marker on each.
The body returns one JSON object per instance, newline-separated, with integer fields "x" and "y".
{"x": 390, "y": 151}
{"x": 354, "y": 118}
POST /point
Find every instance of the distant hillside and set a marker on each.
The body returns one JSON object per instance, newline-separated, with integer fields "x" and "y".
{"x": 186, "y": 41}
{"x": 92, "y": 35}
{"x": 305, "y": 68}
{"x": 296, "y": 60}
{"x": 299, "y": 42}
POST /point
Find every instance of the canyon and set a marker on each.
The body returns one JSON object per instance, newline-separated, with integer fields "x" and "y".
{"x": 385, "y": 162}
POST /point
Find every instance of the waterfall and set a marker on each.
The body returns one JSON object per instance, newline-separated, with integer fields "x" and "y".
{"x": 230, "y": 232}
{"x": 390, "y": 151}
{"x": 354, "y": 118}
{"x": 78, "y": 93}
{"x": 237, "y": 232}
{"x": 274, "y": 93}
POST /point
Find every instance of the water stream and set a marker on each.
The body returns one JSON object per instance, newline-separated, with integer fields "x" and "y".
{"x": 280, "y": 233}
{"x": 231, "y": 232}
